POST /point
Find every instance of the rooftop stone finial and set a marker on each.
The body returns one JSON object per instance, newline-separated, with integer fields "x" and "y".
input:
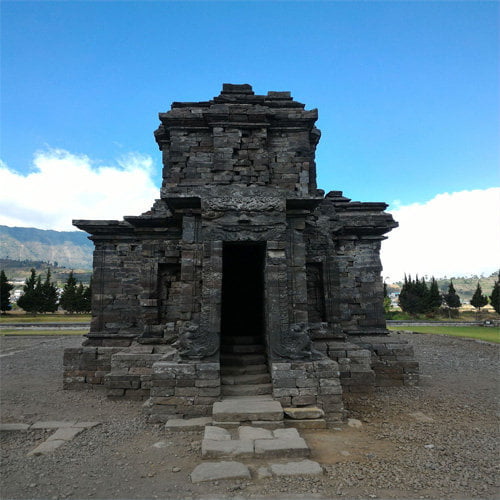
{"x": 232, "y": 88}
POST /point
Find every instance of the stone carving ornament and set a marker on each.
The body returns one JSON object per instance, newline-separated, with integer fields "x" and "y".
{"x": 296, "y": 344}
{"x": 243, "y": 203}
{"x": 194, "y": 343}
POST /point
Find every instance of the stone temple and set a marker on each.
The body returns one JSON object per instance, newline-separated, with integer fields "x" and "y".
{"x": 244, "y": 278}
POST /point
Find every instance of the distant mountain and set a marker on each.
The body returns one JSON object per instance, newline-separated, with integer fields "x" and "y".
{"x": 66, "y": 248}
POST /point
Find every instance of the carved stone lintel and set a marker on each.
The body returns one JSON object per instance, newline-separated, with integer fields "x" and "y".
{"x": 296, "y": 344}
{"x": 196, "y": 344}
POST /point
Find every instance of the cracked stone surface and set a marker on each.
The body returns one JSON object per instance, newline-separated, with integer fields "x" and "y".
{"x": 302, "y": 468}
{"x": 212, "y": 471}
{"x": 227, "y": 448}
{"x": 188, "y": 424}
{"x": 214, "y": 433}
{"x": 253, "y": 433}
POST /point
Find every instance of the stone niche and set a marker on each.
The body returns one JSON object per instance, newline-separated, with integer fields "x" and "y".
{"x": 243, "y": 278}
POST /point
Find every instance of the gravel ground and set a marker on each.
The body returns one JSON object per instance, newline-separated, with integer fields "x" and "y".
{"x": 390, "y": 456}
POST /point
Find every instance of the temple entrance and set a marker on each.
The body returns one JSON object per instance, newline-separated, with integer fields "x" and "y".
{"x": 243, "y": 351}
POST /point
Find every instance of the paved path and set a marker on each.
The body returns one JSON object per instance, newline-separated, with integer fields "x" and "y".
{"x": 65, "y": 431}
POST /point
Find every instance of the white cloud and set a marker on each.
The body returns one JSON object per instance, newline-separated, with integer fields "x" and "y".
{"x": 64, "y": 186}
{"x": 454, "y": 234}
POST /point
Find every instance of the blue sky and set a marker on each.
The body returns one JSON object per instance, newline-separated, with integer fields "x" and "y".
{"x": 407, "y": 92}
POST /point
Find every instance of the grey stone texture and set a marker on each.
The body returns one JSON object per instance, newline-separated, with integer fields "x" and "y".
{"x": 188, "y": 424}
{"x": 238, "y": 204}
{"x": 253, "y": 442}
{"x": 302, "y": 468}
{"x": 214, "y": 471}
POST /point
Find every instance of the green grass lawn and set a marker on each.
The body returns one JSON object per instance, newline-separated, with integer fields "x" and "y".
{"x": 489, "y": 334}
{"x": 18, "y": 331}
{"x": 44, "y": 318}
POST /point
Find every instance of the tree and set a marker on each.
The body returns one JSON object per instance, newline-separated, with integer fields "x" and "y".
{"x": 434, "y": 298}
{"x": 68, "y": 299}
{"x": 495, "y": 295}
{"x": 30, "y": 300}
{"x": 5, "y": 289}
{"x": 87, "y": 298}
{"x": 414, "y": 295}
{"x": 48, "y": 295}
{"x": 478, "y": 299}
{"x": 452, "y": 299}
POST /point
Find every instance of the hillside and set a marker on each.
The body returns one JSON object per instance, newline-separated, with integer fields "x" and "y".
{"x": 69, "y": 249}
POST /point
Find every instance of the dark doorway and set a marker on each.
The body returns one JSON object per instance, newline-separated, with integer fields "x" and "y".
{"x": 243, "y": 351}
{"x": 243, "y": 289}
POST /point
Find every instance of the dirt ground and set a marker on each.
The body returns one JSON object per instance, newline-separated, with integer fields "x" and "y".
{"x": 391, "y": 456}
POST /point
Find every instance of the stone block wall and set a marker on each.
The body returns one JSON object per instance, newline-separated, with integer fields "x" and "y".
{"x": 355, "y": 365}
{"x": 182, "y": 389}
{"x": 302, "y": 383}
{"x": 239, "y": 138}
{"x": 393, "y": 361}
{"x": 86, "y": 367}
{"x": 130, "y": 376}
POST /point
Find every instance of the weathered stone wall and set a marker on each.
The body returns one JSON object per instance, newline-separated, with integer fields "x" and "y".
{"x": 86, "y": 367}
{"x": 303, "y": 383}
{"x": 239, "y": 138}
{"x": 392, "y": 360}
{"x": 187, "y": 389}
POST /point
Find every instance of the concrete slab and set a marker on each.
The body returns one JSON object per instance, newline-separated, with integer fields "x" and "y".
{"x": 232, "y": 448}
{"x": 242, "y": 409}
{"x": 188, "y": 424}
{"x": 226, "y": 425}
{"x": 213, "y": 433}
{"x": 270, "y": 424}
{"x": 46, "y": 447}
{"x": 87, "y": 425}
{"x": 53, "y": 424}
{"x": 215, "y": 471}
{"x": 317, "y": 423}
{"x": 302, "y": 468}
{"x": 304, "y": 413}
{"x": 281, "y": 448}
{"x": 253, "y": 433}
{"x": 66, "y": 433}
{"x": 14, "y": 427}
{"x": 286, "y": 433}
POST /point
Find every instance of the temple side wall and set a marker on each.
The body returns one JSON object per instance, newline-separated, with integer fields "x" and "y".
{"x": 360, "y": 287}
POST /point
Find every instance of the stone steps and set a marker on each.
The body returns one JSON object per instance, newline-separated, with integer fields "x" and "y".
{"x": 245, "y": 379}
{"x": 246, "y": 389}
{"x": 247, "y": 409}
{"x": 243, "y": 370}
{"x": 242, "y": 359}
{"x": 253, "y": 442}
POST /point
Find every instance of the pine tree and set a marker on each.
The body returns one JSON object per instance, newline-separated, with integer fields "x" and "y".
{"x": 30, "y": 299}
{"x": 452, "y": 299}
{"x": 48, "y": 295}
{"x": 5, "y": 289}
{"x": 68, "y": 299}
{"x": 434, "y": 298}
{"x": 478, "y": 299}
{"x": 495, "y": 295}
